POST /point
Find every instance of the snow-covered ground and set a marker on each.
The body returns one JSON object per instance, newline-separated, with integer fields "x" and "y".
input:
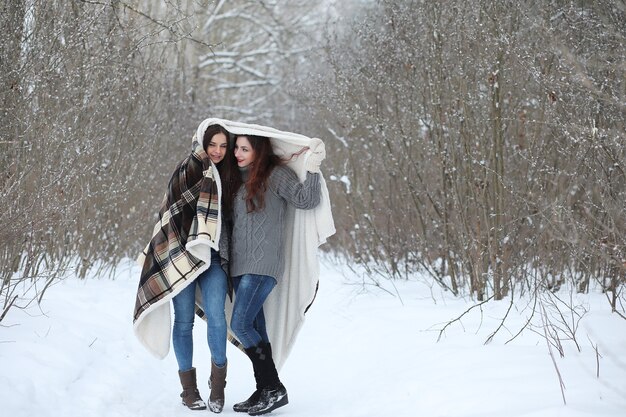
{"x": 360, "y": 353}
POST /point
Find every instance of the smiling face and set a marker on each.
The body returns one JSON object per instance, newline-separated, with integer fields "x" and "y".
{"x": 217, "y": 147}
{"x": 243, "y": 152}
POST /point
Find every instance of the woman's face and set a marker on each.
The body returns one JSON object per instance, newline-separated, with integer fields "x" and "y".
{"x": 244, "y": 152}
{"x": 217, "y": 147}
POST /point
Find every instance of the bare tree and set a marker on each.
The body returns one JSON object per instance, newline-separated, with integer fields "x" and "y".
{"x": 254, "y": 46}
{"x": 482, "y": 142}
{"x": 89, "y": 103}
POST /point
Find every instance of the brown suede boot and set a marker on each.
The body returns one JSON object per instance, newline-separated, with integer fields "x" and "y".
{"x": 217, "y": 382}
{"x": 190, "y": 395}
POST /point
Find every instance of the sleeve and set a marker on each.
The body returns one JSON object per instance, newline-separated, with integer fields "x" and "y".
{"x": 302, "y": 195}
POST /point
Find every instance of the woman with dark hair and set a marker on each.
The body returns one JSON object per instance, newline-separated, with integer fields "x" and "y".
{"x": 183, "y": 257}
{"x": 213, "y": 285}
{"x": 257, "y": 253}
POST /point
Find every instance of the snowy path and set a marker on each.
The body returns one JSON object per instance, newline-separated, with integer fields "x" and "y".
{"x": 358, "y": 355}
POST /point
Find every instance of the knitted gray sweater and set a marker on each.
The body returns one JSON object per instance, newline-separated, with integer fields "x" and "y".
{"x": 257, "y": 237}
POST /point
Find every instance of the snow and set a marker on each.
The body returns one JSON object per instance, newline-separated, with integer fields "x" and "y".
{"x": 364, "y": 351}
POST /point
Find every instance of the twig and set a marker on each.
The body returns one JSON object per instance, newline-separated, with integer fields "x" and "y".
{"x": 7, "y": 307}
{"x": 598, "y": 356}
{"x": 606, "y": 293}
{"x": 527, "y": 324}
{"x": 459, "y": 318}
{"x": 169, "y": 28}
{"x": 545, "y": 331}
{"x": 508, "y": 310}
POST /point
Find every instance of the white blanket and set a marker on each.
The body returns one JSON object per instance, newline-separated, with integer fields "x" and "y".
{"x": 305, "y": 231}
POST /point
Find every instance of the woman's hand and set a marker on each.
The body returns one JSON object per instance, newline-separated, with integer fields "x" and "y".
{"x": 315, "y": 155}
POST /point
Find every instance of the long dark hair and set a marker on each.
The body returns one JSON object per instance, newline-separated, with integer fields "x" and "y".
{"x": 264, "y": 162}
{"x": 227, "y": 168}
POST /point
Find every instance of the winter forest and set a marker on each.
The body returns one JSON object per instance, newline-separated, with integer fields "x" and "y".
{"x": 478, "y": 144}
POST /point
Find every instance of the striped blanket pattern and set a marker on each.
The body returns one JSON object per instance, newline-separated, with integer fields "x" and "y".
{"x": 188, "y": 227}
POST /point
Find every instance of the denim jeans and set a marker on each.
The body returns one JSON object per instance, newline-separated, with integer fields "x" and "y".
{"x": 248, "y": 320}
{"x": 213, "y": 286}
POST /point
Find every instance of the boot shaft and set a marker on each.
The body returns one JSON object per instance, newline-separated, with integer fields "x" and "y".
{"x": 263, "y": 365}
{"x": 190, "y": 395}
{"x": 271, "y": 393}
{"x": 188, "y": 379}
{"x": 217, "y": 382}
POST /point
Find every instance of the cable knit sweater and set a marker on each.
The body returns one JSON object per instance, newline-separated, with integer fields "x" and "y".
{"x": 257, "y": 237}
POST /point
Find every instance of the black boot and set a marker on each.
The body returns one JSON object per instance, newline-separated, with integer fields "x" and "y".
{"x": 273, "y": 393}
{"x": 244, "y": 406}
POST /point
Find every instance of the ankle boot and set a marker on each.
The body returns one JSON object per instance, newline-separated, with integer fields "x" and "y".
{"x": 217, "y": 382}
{"x": 190, "y": 395}
{"x": 273, "y": 393}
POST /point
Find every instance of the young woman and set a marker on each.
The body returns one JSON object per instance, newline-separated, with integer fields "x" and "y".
{"x": 257, "y": 253}
{"x": 213, "y": 285}
{"x": 183, "y": 257}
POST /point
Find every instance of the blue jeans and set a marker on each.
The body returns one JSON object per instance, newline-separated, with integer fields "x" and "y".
{"x": 213, "y": 286}
{"x": 248, "y": 320}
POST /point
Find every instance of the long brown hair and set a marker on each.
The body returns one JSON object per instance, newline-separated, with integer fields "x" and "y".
{"x": 264, "y": 162}
{"x": 227, "y": 167}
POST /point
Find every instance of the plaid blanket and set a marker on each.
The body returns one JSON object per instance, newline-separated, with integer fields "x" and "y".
{"x": 189, "y": 226}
